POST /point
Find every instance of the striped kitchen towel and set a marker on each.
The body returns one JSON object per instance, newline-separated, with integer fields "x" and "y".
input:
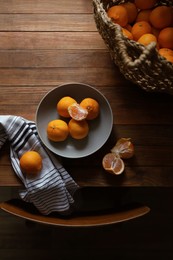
{"x": 53, "y": 189}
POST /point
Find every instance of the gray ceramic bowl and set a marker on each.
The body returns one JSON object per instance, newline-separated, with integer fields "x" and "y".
{"x": 100, "y": 128}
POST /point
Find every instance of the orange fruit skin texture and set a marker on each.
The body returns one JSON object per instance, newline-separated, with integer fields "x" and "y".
{"x": 145, "y": 4}
{"x": 57, "y": 130}
{"x": 118, "y": 14}
{"x": 31, "y": 163}
{"x": 78, "y": 129}
{"x": 161, "y": 17}
{"x": 63, "y": 104}
{"x": 92, "y": 106}
{"x": 140, "y": 28}
{"x": 165, "y": 38}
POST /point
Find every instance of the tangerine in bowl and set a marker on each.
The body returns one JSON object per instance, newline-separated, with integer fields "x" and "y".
{"x": 78, "y": 143}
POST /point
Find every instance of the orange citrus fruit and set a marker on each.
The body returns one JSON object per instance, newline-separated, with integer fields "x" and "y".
{"x": 143, "y": 15}
{"x": 140, "y": 28}
{"x": 63, "y": 104}
{"x": 145, "y": 4}
{"x": 165, "y": 38}
{"x": 118, "y": 14}
{"x": 166, "y": 53}
{"x": 92, "y": 106}
{"x": 127, "y": 33}
{"x": 161, "y": 17}
{"x": 147, "y": 38}
{"x": 131, "y": 11}
{"x": 113, "y": 163}
{"x": 57, "y": 130}
{"x": 124, "y": 148}
{"x": 31, "y": 162}
{"x": 78, "y": 129}
{"x": 77, "y": 112}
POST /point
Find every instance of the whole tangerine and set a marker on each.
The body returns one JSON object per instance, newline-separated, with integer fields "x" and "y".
{"x": 165, "y": 38}
{"x": 118, "y": 14}
{"x": 140, "y": 28}
{"x": 57, "y": 130}
{"x": 131, "y": 11}
{"x": 78, "y": 129}
{"x": 147, "y": 38}
{"x": 161, "y": 17}
{"x": 63, "y": 104}
{"x": 92, "y": 106}
{"x": 31, "y": 162}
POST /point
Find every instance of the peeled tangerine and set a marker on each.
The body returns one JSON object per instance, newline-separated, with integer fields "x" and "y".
{"x": 77, "y": 112}
{"x": 113, "y": 163}
{"x": 124, "y": 148}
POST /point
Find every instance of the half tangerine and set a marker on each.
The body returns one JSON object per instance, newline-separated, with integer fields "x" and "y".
{"x": 112, "y": 163}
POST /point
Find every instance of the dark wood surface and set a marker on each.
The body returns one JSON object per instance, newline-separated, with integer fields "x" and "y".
{"x": 46, "y": 43}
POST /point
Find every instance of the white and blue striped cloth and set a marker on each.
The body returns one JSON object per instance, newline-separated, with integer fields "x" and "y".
{"x": 53, "y": 189}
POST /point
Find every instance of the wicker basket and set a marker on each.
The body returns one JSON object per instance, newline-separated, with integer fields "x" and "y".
{"x": 139, "y": 64}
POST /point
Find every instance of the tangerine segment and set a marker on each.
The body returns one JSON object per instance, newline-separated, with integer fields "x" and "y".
{"x": 57, "y": 130}
{"x": 92, "y": 106}
{"x": 123, "y": 148}
{"x": 78, "y": 129}
{"x": 77, "y": 112}
{"x": 118, "y": 14}
{"x": 63, "y": 104}
{"x": 31, "y": 162}
{"x": 113, "y": 163}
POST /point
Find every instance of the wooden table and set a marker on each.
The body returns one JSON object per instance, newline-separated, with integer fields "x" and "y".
{"x": 45, "y": 43}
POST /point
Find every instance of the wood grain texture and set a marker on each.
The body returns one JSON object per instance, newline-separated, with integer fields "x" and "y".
{"x": 43, "y": 45}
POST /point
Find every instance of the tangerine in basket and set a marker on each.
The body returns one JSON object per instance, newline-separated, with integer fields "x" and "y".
{"x": 143, "y": 15}
{"x": 145, "y": 4}
{"x": 57, "y": 130}
{"x": 31, "y": 162}
{"x": 78, "y": 129}
{"x": 92, "y": 106}
{"x": 161, "y": 17}
{"x": 77, "y": 112}
{"x": 147, "y": 38}
{"x": 112, "y": 163}
{"x": 140, "y": 28}
{"x": 131, "y": 11}
{"x": 63, "y": 104}
{"x": 166, "y": 53}
{"x": 127, "y": 33}
{"x": 118, "y": 14}
{"x": 165, "y": 38}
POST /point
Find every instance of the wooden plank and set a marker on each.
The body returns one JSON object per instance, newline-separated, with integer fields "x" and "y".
{"x": 55, "y": 58}
{"x": 47, "y": 22}
{"x": 51, "y": 40}
{"x": 44, "y": 6}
